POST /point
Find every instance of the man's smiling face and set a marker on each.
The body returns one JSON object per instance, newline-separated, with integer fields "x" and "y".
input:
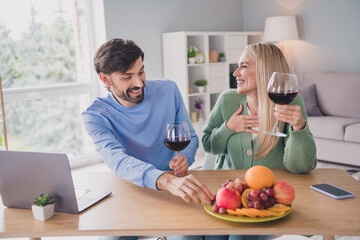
{"x": 128, "y": 87}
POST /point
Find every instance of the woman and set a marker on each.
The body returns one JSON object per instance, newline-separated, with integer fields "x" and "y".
{"x": 235, "y": 128}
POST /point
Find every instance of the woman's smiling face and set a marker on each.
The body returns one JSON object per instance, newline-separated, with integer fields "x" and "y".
{"x": 246, "y": 75}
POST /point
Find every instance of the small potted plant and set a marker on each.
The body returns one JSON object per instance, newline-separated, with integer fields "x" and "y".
{"x": 201, "y": 83}
{"x": 221, "y": 57}
{"x": 191, "y": 54}
{"x": 43, "y": 208}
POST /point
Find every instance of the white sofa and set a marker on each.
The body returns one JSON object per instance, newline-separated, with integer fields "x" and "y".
{"x": 337, "y": 131}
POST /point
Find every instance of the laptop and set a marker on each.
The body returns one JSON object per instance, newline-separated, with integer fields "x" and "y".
{"x": 25, "y": 175}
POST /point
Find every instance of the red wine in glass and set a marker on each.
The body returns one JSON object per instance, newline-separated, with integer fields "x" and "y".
{"x": 177, "y": 136}
{"x": 177, "y": 144}
{"x": 282, "y": 89}
{"x": 282, "y": 98}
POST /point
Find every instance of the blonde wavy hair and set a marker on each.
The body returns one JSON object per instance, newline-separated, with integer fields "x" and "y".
{"x": 269, "y": 59}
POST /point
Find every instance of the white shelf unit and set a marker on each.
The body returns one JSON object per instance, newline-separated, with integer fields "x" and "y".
{"x": 217, "y": 74}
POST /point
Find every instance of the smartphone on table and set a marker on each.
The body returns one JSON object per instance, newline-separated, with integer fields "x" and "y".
{"x": 332, "y": 191}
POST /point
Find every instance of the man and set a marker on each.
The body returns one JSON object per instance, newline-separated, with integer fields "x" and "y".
{"x": 128, "y": 126}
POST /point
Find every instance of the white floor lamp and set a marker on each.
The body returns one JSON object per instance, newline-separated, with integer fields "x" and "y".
{"x": 279, "y": 29}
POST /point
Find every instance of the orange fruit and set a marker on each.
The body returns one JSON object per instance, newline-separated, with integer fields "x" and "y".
{"x": 259, "y": 213}
{"x": 240, "y": 211}
{"x": 232, "y": 212}
{"x": 247, "y": 212}
{"x": 258, "y": 177}
{"x": 279, "y": 207}
{"x": 274, "y": 213}
{"x": 244, "y": 201}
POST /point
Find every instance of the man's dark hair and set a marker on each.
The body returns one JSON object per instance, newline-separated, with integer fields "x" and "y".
{"x": 116, "y": 55}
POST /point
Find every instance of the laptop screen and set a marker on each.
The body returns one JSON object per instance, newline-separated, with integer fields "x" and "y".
{"x": 25, "y": 175}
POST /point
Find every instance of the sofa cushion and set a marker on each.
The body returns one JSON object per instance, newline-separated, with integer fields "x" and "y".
{"x": 337, "y": 94}
{"x": 309, "y": 97}
{"x": 352, "y": 133}
{"x": 330, "y": 127}
{"x": 338, "y": 151}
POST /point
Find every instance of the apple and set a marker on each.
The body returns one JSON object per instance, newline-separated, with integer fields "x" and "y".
{"x": 228, "y": 198}
{"x": 284, "y": 193}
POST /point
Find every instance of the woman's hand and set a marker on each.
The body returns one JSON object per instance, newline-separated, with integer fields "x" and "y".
{"x": 180, "y": 166}
{"x": 242, "y": 123}
{"x": 290, "y": 114}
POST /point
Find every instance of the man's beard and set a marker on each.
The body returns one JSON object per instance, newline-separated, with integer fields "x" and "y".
{"x": 126, "y": 95}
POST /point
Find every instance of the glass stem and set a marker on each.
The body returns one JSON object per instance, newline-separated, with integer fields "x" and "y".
{"x": 276, "y": 126}
{"x": 178, "y": 154}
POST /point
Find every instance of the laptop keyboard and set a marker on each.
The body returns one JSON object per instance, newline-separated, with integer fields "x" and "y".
{"x": 84, "y": 202}
{"x": 85, "y": 197}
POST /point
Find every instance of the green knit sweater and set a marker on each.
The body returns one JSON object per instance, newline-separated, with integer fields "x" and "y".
{"x": 296, "y": 152}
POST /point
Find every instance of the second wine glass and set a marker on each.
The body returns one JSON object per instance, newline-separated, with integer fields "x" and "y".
{"x": 177, "y": 136}
{"x": 282, "y": 89}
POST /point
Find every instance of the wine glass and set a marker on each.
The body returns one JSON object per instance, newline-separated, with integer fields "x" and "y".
{"x": 282, "y": 89}
{"x": 177, "y": 136}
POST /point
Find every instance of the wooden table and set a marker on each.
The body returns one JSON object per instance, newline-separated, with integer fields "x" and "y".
{"x": 132, "y": 210}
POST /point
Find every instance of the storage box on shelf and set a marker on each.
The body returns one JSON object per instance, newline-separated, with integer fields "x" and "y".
{"x": 177, "y": 68}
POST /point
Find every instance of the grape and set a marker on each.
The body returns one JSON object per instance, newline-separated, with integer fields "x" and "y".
{"x": 232, "y": 185}
{"x": 239, "y": 187}
{"x": 245, "y": 186}
{"x": 229, "y": 184}
{"x": 269, "y": 192}
{"x": 222, "y": 210}
{"x": 257, "y": 205}
{"x": 272, "y": 201}
{"x": 268, "y": 204}
{"x": 238, "y": 180}
{"x": 249, "y": 197}
{"x": 264, "y": 197}
{"x": 215, "y": 208}
{"x": 250, "y": 204}
{"x": 265, "y": 188}
{"x": 254, "y": 193}
{"x": 229, "y": 181}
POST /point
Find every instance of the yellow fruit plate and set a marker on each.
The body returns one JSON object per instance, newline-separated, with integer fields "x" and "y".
{"x": 233, "y": 218}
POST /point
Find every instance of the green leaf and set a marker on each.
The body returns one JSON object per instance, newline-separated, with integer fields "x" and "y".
{"x": 43, "y": 200}
{"x": 200, "y": 82}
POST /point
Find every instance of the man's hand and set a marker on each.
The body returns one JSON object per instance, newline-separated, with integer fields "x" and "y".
{"x": 290, "y": 114}
{"x": 180, "y": 166}
{"x": 189, "y": 188}
{"x": 242, "y": 123}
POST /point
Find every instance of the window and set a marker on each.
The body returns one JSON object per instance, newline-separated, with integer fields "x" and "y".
{"x": 46, "y": 74}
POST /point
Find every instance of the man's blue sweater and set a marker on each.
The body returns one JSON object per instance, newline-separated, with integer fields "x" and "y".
{"x": 131, "y": 139}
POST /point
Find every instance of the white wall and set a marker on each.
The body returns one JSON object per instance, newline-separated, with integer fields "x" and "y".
{"x": 144, "y": 21}
{"x": 329, "y": 31}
